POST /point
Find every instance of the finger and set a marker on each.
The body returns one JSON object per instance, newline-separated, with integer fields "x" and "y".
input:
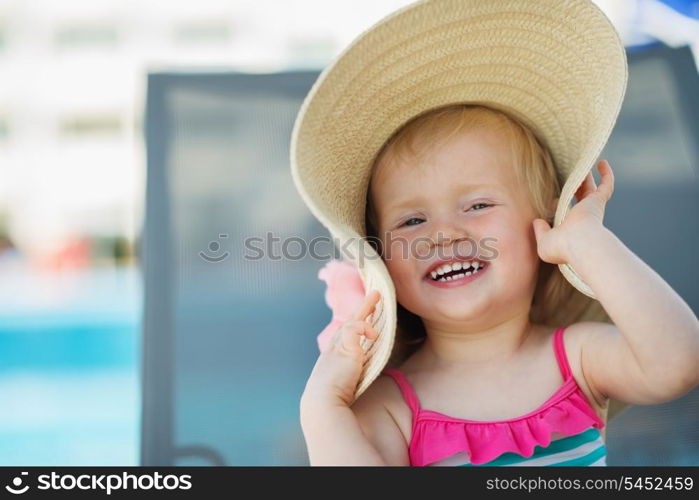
{"x": 351, "y": 333}
{"x": 355, "y": 328}
{"x": 367, "y": 305}
{"x": 606, "y": 187}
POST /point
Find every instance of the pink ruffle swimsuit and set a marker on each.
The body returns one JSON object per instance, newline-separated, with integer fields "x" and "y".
{"x": 438, "y": 439}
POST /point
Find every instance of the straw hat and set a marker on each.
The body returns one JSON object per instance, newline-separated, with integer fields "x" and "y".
{"x": 559, "y": 67}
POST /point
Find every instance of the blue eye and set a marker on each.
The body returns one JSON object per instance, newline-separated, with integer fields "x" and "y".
{"x": 484, "y": 204}
{"x": 411, "y": 219}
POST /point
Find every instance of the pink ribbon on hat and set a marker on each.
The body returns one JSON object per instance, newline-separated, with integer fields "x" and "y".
{"x": 343, "y": 294}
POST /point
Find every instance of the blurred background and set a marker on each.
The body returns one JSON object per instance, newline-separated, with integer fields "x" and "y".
{"x": 142, "y": 142}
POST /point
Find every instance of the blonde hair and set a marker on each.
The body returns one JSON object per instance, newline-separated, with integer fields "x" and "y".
{"x": 555, "y": 302}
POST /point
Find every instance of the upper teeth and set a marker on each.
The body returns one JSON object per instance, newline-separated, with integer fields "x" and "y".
{"x": 455, "y": 266}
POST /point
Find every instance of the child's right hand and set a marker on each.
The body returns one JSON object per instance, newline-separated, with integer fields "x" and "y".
{"x": 336, "y": 373}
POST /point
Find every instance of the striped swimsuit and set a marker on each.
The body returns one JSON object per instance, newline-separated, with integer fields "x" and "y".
{"x": 563, "y": 431}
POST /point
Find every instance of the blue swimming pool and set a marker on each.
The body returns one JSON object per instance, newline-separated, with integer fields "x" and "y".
{"x": 69, "y": 368}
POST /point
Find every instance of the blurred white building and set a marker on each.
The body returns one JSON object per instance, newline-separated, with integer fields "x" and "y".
{"x": 72, "y": 82}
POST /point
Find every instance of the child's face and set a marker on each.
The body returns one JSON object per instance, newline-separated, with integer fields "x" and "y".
{"x": 432, "y": 214}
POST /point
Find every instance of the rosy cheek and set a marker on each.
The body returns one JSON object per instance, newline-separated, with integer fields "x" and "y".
{"x": 398, "y": 259}
{"x": 399, "y": 250}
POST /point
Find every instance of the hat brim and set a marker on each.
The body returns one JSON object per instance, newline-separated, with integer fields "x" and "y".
{"x": 561, "y": 70}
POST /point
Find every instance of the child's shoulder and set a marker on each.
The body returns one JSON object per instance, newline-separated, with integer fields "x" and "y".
{"x": 384, "y": 396}
{"x": 574, "y": 338}
{"x": 383, "y": 421}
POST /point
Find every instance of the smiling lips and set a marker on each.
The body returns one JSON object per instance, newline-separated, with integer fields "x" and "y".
{"x": 458, "y": 278}
{"x": 454, "y": 270}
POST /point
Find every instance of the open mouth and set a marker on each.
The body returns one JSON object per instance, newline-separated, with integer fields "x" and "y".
{"x": 456, "y": 270}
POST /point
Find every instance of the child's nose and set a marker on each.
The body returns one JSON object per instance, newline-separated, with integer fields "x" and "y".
{"x": 447, "y": 231}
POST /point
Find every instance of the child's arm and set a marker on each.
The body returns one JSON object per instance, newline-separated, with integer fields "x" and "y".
{"x": 651, "y": 353}
{"x": 365, "y": 434}
{"x": 334, "y": 433}
{"x": 334, "y": 437}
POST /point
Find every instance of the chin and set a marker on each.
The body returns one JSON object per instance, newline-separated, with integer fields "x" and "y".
{"x": 449, "y": 310}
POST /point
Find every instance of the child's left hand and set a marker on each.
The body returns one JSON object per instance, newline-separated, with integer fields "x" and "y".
{"x": 553, "y": 244}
